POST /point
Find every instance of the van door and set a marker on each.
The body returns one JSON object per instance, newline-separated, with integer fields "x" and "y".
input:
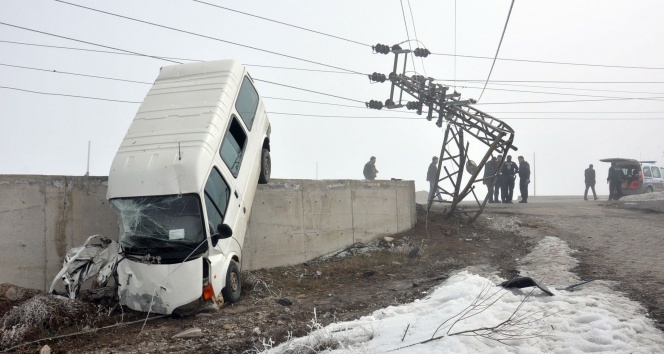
{"x": 233, "y": 150}
{"x": 657, "y": 180}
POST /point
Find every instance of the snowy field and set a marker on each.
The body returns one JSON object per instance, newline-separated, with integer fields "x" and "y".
{"x": 469, "y": 314}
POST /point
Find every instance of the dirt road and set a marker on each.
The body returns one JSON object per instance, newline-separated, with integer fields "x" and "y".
{"x": 620, "y": 241}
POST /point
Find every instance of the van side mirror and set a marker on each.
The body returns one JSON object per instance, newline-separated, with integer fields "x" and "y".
{"x": 223, "y": 231}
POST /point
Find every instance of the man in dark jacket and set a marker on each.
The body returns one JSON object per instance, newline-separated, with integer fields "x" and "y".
{"x": 615, "y": 179}
{"x": 499, "y": 180}
{"x": 590, "y": 182}
{"x": 370, "y": 170}
{"x": 509, "y": 171}
{"x": 524, "y": 179}
{"x": 431, "y": 178}
{"x": 489, "y": 173}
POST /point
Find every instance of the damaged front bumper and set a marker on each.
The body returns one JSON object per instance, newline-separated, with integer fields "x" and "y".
{"x": 160, "y": 288}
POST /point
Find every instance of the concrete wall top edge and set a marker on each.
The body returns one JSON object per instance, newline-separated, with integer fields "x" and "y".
{"x": 57, "y": 181}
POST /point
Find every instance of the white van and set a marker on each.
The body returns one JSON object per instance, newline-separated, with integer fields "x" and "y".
{"x": 183, "y": 182}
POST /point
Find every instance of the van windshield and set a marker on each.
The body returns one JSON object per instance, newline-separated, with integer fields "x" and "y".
{"x": 170, "y": 226}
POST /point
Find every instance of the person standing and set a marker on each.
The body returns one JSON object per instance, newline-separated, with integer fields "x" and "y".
{"x": 498, "y": 186}
{"x": 432, "y": 173}
{"x": 524, "y": 179}
{"x": 489, "y": 173}
{"x": 370, "y": 170}
{"x": 509, "y": 175}
{"x": 615, "y": 181}
{"x": 590, "y": 182}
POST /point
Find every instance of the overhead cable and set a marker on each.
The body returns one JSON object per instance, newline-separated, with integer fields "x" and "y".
{"x": 283, "y": 23}
{"x": 91, "y": 50}
{"x": 552, "y": 62}
{"x": 311, "y": 91}
{"x": 497, "y": 50}
{"x": 90, "y": 43}
{"x": 65, "y": 95}
{"x": 208, "y": 37}
{"x": 76, "y": 74}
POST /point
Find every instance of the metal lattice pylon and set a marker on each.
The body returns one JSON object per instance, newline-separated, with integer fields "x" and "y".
{"x": 460, "y": 119}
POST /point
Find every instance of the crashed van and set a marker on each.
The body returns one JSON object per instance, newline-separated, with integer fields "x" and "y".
{"x": 182, "y": 184}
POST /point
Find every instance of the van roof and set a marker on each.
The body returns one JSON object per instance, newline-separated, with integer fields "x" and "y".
{"x": 619, "y": 160}
{"x": 173, "y": 139}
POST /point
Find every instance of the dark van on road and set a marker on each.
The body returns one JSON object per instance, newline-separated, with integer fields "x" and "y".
{"x": 639, "y": 176}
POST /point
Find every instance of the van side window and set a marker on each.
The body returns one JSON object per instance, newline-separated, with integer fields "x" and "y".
{"x": 232, "y": 148}
{"x": 217, "y": 194}
{"x": 655, "y": 172}
{"x": 247, "y": 102}
{"x": 646, "y": 171}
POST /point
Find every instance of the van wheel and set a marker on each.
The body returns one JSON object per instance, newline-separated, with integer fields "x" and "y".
{"x": 649, "y": 189}
{"x": 233, "y": 288}
{"x": 266, "y": 167}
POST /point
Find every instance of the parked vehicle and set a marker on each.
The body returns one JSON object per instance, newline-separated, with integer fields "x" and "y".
{"x": 652, "y": 177}
{"x": 639, "y": 176}
{"x": 183, "y": 182}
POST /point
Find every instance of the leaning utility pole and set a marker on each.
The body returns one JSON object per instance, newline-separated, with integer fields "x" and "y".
{"x": 460, "y": 120}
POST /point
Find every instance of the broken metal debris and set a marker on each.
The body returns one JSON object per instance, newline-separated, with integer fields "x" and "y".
{"x": 525, "y": 282}
{"x": 99, "y": 256}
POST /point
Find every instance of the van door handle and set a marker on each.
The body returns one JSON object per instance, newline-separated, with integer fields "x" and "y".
{"x": 236, "y": 195}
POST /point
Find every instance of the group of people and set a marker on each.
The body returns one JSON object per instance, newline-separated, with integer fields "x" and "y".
{"x": 505, "y": 174}
{"x": 615, "y": 180}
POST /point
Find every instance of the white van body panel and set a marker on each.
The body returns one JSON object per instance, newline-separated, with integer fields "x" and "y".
{"x": 171, "y": 284}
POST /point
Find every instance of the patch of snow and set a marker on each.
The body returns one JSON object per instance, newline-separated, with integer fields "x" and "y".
{"x": 643, "y": 197}
{"x": 593, "y": 318}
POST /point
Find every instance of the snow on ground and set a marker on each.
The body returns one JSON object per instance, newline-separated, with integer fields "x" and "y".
{"x": 643, "y": 197}
{"x": 588, "y": 318}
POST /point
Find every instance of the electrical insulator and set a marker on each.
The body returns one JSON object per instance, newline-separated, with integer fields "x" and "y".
{"x": 419, "y": 78}
{"x": 393, "y": 76}
{"x": 413, "y": 105}
{"x": 381, "y": 48}
{"x": 421, "y": 52}
{"x": 373, "y": 104}
{"x": 389, "y": 103}
{"x": 377, "y": 77}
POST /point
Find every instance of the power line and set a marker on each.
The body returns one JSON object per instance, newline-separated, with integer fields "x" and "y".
{"x": 283, "y": 23}
{"x": 302, "y": 69}
{"x": 366, "y": 117}
{"x": 552, "y": 62}
{"x": 75, "y": 74}
{"x": 174, "y": 58}
{"x": 497, "y": 50}
{"x": 570, "y": 101}
{"x": 412, "y": 19}
{"x": 570, "y": 88}
{"x": 423, "y": 118}
{"x": 403, "y": 13}
{"x": 91, "y": 50}
{"x": 208, "y": 37}
{"x": 562, "y": 82}
{"x": 90, "y": 43}
{"x": 311, "y": 91}
{"x": 65, "y": 95}
{"x": 554, "y": 93}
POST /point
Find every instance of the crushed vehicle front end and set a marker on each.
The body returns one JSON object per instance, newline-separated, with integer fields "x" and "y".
{"x": 164, "y": 242}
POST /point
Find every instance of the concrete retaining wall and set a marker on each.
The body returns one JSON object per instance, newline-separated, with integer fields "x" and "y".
{"x": 292, "y": 221}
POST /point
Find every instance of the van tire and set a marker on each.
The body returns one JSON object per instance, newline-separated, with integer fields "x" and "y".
{"x": 233, "y": 288}
{"x": 649, "y": 189}
{"x": 266, "y": 167}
